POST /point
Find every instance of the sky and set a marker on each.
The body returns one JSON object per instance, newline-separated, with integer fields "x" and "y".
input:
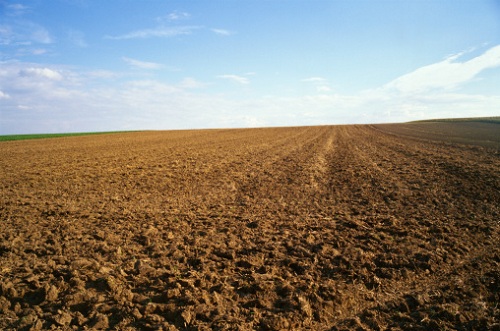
{"x": 93, "y": 65}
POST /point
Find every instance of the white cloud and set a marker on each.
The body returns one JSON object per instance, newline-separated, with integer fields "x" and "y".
{"x": 173, "y": 16}
{"x": 4, "y": 95}
{"x": 447, "y": 74}
{"x": 39, "y": 51}
{"x": 235, "y": 78}
{"x": 159, "y": 32}
{"x": 102, "y": 74}
{"x": 191, "y": 83}
{"x": 315, "y": 80}
{"x": 222, "y": 32}
{"x": 29, "y": 79}
{"x": 36, "y": 93}
{"x": 323, "y": 88}
{"x": 40, "y": 72}
{"x": 142, "y": 64}
{"x": 150, "y": 88}
{"x": 177, "y": 15}
{"x": 320, "y": 83}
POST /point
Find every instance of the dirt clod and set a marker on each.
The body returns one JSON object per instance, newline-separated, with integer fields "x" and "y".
{"x": 63, "y": 318}
{"x": 51, "y": 293}
{"x": 99, "y": 322}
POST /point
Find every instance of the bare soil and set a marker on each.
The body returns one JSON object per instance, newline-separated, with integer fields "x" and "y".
{"x": 310, "y": 228}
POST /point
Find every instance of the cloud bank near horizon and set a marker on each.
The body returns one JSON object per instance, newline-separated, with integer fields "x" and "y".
{"x": 36, "y": 95}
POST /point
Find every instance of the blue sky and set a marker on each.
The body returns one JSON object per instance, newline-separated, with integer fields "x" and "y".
{"x": 90, "y": 65}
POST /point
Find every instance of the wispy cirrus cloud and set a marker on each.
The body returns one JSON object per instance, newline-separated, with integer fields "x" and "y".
{"x": 6, "y": 34}
{"x": 102, "y": 74}
{"x": 16, "y": 6}
{"x": 158, "y": 32}
{"x": 235, "y": 78}
{"x": 77, "y": 38}
{"x": 20, "y": 32}
{"x": 176, "y": 16}
{"x": 447, "y": 74}
{"x": 314, "y": 80}
{"x": 39, "y": 34}
{"x": 222, "y": 32}
{"x": 142, "y": 64}
{"x": 39, "y": 51}
{"x": 191, "y": 83}
{"x": 15, "y": 9}
{"x": 320, "y": 83}
{"x": 165, "y": 29}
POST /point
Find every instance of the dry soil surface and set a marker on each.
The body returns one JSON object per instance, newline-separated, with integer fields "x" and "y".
{"x": 309, "y": 228}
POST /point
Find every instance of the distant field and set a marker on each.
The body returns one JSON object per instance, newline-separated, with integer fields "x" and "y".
{"x": 495, "y": 119}
{"x": 356, "y": 227}
{"x": 484, "y": 132}
{"x": 51, "y": 135}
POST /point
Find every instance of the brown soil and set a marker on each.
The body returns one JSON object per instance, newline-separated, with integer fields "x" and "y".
{"x": 478, "y": 133}
{"x": 317, "y": 228}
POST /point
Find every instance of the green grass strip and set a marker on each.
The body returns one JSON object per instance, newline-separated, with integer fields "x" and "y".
{"x": 52, "y": 135}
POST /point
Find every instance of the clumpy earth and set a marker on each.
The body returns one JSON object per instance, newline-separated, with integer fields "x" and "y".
{"x": 310, "y": 228}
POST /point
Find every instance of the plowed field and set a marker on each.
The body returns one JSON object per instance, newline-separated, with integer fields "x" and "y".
{"x": 317, "y": 228}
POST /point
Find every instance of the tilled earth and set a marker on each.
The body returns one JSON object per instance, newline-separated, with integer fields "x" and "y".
{"x": 317, "y": 228}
